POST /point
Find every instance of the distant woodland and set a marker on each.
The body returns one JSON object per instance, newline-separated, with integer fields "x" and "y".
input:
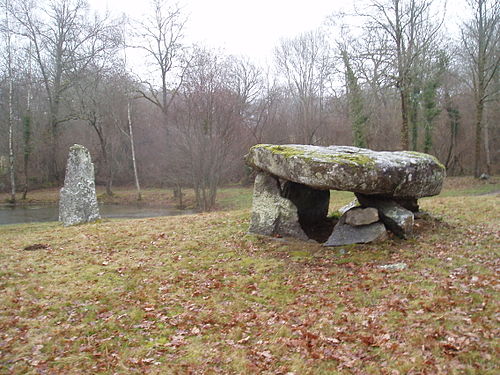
{"x": 388, "y": 76}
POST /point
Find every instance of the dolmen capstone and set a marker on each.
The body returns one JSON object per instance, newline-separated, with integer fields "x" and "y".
{"x": 293, "y": 182}
{"x": 78, "y": 200}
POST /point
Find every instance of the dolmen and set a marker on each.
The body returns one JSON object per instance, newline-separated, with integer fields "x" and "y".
{"x": 293, "y": 182}
{"x": 78, "y": 199}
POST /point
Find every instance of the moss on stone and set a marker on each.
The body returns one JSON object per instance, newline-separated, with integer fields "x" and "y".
{"x": 285, "y": 151}
{"x": 77, "y": 147}
{"x": 349, "y": 158}
{"x": 397, "y": 173}
{"x": 426, "y": 156}
{"x": 307, "y": 155}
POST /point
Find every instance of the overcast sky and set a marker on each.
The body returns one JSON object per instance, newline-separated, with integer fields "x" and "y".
{"x": 251, "y": 27}
{"x": 242, "y": 27}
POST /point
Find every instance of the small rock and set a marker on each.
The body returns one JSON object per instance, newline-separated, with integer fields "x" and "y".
{"x": 37, "y": 246}
{"x": 393, "y": 267}
{"x": 342, "y": 210}
{"x": 422, "y": 215}
{"x": 484, "y": 176}
{"x": 361, "y": 216}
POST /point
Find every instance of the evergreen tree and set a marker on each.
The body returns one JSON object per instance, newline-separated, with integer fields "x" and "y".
{"x": 356, "y": 105}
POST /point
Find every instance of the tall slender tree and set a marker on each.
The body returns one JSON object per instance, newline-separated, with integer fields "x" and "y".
{"x": 10, "y": 112}
{"x": 160, "y": 37}
{"x": 132, "y": 149}
{"x": 411, "y": 29}
{"x": 306, "y": 63}
{"x": 357, "y": 114}
{"x": 27, "y": 126}
{"x": 481, "y": 39}
{"x": 65, "y": 40}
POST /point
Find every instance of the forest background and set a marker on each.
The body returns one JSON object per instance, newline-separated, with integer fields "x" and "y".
{"x": 387, "y": 75}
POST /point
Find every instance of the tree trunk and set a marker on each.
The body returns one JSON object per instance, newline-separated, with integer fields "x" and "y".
{"x": 477, "y": 154}
{"x": 487, "y": 148}
{"x": 107, "y": 168}
{"x": 27, "y": 129}
{"x": 180, "y": 196}
{"x": 132, "y": 147}
{"x": 405, "y": 141}
{"x": 27, "y": 150}
{"x": 105, "y": 158}
{"x": 10, "y": 115}
{"x": 11, "y": 145}
{"x": 54, "y": 146}
{"x": 26, "y": 178}
{"x": 413, "y": 119}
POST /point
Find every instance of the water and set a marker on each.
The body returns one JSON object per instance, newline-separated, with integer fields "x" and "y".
{"x": 42, "y": 213}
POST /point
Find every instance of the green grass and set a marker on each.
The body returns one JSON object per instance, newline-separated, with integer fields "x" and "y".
{"x": 197, "y": 294}
{"x": 460, "y": 186}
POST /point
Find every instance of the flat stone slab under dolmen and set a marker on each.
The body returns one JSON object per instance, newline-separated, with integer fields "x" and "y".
{"x": 395, "y": 174}
{"x": 345, "y": 234}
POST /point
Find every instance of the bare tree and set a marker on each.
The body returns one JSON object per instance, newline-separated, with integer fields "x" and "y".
{"x": 306, "y": 64}
{"x": 265, "y": 112}
{"x": 410, "y": 29}
{"x": 207, "y": 118}
{"x": 367, "y": 73}
{"x": 480, "y": 38}
{"x": 10, "y": 120}
{"x": 91, "y": 101}
{"x": 65, "y": 40}
{"x": 132, "y": 148}
{"x": 247, "y": 82}
{"x": 160, "y": 36}
{"x": 123, "y": 89}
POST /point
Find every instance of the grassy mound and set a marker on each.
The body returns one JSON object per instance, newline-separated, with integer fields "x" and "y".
{"x": 196, "y": 294}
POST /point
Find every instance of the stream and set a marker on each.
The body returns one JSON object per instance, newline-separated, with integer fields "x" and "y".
{"x": 42, "y": 213}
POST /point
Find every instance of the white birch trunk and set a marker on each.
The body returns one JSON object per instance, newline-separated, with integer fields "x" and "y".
{"x": 10, "y": 115}
{"x": 132, "y": 147}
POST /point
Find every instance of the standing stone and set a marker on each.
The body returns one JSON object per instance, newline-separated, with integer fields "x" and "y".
{"x": 312, "y": 204}
{"x": 273, "y": 214}
{"x": 78, "y": 200}
{"x": 312, "y": 208}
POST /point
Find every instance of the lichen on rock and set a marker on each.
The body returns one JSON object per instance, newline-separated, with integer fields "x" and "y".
{"x": 78, "y": 200}
{"x": 400, "y": 174}
{"x": 292, "y": 187}
{"x": 272, "y": 214}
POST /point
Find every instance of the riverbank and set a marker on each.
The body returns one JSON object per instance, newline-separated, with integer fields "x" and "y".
{"x": 122, "y": 195}
{"x": 151, "y": 197}
{"x": 197, "y": 294}
{"x": 43, "y": 205}
{"x": 228, "y": 198}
